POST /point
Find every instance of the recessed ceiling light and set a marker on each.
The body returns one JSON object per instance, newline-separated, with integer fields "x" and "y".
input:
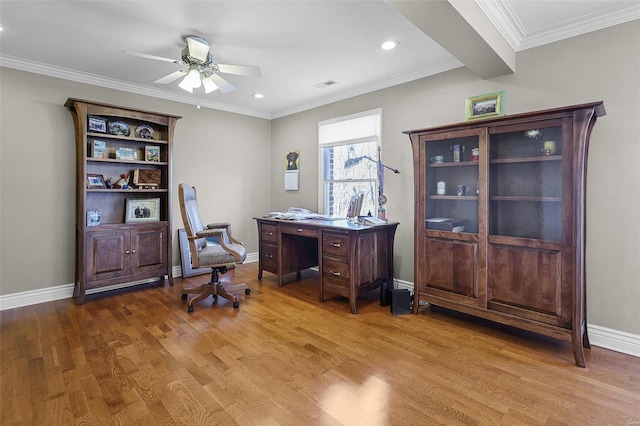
{"x": 389, "y": 44}
{"x": 258, "y": 95}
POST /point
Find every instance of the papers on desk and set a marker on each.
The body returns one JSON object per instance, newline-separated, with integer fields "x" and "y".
{"x": 297, "y": 213}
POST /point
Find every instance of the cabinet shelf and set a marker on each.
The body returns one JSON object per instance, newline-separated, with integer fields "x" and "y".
{"x": 521, "y": 198}
{"x": 119, "y": 161}
{"x": 454, "y": 197}
{"x": 526, "y": 159}
{"x": 128, "y": 191}
{"x": 95, "y": 135}
{"x": 454, "y": 164}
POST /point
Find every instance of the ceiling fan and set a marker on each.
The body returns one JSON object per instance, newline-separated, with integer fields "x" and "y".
{"x": 200, "y": 70}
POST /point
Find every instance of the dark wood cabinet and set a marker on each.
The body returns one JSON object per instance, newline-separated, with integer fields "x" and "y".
{"x": 123, "y": 224}
{"x": 500, "y": 229}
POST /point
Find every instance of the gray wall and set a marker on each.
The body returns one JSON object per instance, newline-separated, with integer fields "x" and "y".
{"x": 221, "y": 154}
{"x": 604, "y": 65}
{"x": 224, "y": 154}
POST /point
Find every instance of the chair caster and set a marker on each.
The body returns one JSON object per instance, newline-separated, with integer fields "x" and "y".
{"x": 236, "y": 305}
{"x": 183, "y": 296}
{"x": 190, "y": 308}
{"x": 247, "y": 291}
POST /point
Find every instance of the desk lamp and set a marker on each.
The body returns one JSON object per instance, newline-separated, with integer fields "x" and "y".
{"x": 382, "y": 199}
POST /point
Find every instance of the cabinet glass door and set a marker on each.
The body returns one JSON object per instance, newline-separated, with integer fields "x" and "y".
{"x": 526, "y": 181}
{"x": 452, "y": 184}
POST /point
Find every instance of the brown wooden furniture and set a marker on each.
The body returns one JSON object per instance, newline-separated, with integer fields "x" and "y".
{"x": 217, "y": 256}
{"x": 520, "y": 258}
{"x": 352, "y": 258}
{"x": 126, "y": 245}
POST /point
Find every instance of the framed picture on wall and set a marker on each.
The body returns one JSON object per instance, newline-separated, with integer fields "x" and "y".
{"x": 485, "y": 106}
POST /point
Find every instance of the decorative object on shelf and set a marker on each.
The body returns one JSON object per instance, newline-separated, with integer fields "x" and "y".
{"x": 93, "y": 217}
{"x": 441, "y": 187}
{"x": 461, "y": 190}
{"x": 475, "y": 154}
{"x": 142, "y": 210}
{"x": 96, "y": 124}
{"x": 98, "y": 149}
{"x": 119, "y": 128}
{"x": 457, "y": 152}
{"x": 533, "y": 134}
{"x": 144, "y": 131}
{"x": 152, "y": 153}
{"x": 123, "y": 182}
{"x": 485, "y": 106}
{"x": 549, "y": 148}
{"x": 146, "y": 178}
{"x": 125, "y": 153}
{"x": 95, "y": 181}
{"x": 438, "y": 159}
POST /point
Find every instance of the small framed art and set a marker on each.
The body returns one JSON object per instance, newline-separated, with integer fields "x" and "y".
{"x": 142, "y": 210}
{"x": 485, "y": 106}
{"x": 93, "y": 217}
{"x": 95, "y": 181}
{"x": 97, "y": 124}
{"x": 152, "y": 153}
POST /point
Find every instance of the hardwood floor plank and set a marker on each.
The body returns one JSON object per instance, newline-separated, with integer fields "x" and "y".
{"x": 135, "y": 356}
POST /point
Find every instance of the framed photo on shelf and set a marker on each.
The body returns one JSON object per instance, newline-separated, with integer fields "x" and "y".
{"x": 97, "y": 124}
{"x": 152, "y": 153}
{"x": 125, "y": 153}
{"x": 98, "y": 149}
{"x": 485, "y": 106}
{"x": 93, "y": 217}
{"x": 95, "y": 181}
{"x": 142, "y": 210}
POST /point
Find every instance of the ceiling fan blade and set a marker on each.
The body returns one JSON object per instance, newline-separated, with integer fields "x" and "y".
{"x": 147, "y": 56}
{"x": 197, "y": 49}
{"x": 223, "y": 85}
{"x": 171, "y": 77}
{"x": 245, "y": 70}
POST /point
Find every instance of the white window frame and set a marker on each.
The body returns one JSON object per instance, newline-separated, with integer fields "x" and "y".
{"x": 331, "y": 134}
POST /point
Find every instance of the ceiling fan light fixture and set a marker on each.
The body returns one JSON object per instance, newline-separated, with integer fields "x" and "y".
{"x": 209, "y": 85}
{"x": 191, "y": 80}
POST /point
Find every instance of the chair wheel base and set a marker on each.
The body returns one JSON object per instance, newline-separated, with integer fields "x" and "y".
{"x": 184, "y": 296}
{"x": 236, "y": 305}
{"x": 247, "y": 291}
{"x": 190, "y": 308}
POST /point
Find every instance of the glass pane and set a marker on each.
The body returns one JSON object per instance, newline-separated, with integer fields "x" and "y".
{"x": 337, "y": 203}
{"x": 525, "y": 183}
{"x": 452, "y": 184}
{"x": 353, "y": 161}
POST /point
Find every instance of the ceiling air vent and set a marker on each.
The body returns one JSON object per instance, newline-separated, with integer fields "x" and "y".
{"x": 325, "y": 84}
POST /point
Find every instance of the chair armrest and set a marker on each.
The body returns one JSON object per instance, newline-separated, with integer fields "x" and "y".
{"x": 206, "y": 233}
{"x": 227, "y": 227}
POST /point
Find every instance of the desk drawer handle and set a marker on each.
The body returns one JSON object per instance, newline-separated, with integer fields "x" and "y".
{"x": 336, "y": 273}
{"x": 336, "y": 245}
{"x": 270, "y": 256}
{"x": 269, "y": 233}
{"x": 299, "y": 230}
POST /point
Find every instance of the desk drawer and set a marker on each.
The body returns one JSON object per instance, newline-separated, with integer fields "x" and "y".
{"x": 335, "y": 244}
{"x": 305, "y": 231}
{"x": 269, "y": 233}
{"x": 269, "y": 257}
{"x": 335, "y": 272}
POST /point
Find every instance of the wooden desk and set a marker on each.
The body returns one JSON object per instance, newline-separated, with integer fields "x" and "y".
{"x": 351, "y": 258}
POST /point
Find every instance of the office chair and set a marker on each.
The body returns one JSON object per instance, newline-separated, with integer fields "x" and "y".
{"x": 227, "y": 252}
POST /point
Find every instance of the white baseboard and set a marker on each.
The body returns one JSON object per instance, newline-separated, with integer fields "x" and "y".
{"x": 603, "y": 337}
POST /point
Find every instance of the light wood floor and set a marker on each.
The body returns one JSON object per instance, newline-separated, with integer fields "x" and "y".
{"x": 283, "y": 358}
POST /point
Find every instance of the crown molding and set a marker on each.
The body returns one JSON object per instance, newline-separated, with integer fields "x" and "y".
{"x": 96, "y": 80}
{"x": 503, "y": 17}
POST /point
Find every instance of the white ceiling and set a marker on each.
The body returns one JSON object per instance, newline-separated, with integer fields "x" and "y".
{"x": 297, "y": 44}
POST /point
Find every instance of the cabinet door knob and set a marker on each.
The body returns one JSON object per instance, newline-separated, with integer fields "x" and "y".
{"x": 336, "y": 273}
{"x": 336, "y": 245}
{"x": 133, "y": 251}
{"x": 126, "y": 252}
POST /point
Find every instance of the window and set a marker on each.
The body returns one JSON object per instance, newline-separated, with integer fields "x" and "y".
{"x": 349, "y": 150}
